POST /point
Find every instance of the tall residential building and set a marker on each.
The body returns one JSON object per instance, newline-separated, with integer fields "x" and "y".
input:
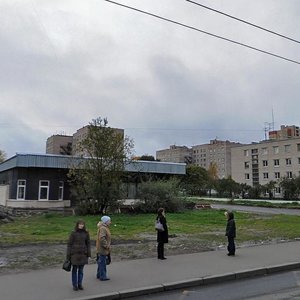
{"x": 68, "y": 145}
{"x": 285, "y": 132}
{"x": 176, "y": 154}
{"x": 81, "y": 134}
{"x": 216, "y": 152}
{"x": 59, "y": 144}
{"x": 271, "y": 160}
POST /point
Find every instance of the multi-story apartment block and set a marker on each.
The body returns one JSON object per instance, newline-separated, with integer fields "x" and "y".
{"x": 59, "y": 144}
{"x": 176, "y": 154}
{"x": 271, "y": 160}
{"x": 69, "y": 145}
{"x": 216, "y": 152}
{"x": 285, "y": 132}
{"x": 81, "y": 134}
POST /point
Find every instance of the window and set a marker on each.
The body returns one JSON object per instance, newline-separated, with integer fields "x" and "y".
{"x": 21, "y": 189}
{"x": 275, "y": 149}
{"x": 247, "y": 165}
{"x": 44, "y": 190}
{"x": 254, "y": 151}
{"x": 288, "y": 161}
{"x": 264, "y": 151}
{"x": 277, "y": 190}
{"x": 246, "y": 152}
{"x": 277, "y": 175}
{"x": 298, "y": 147}
{"x": 61, "y": 190}
{"x": 265, "y": 163}
{"x": 287, "y": 148}
{"x": 298, "y": 160}
{"x": 247, "y": 176}
{"x": 276, "y": 162}
{"x": 266, "y": 175}
{"x": 289, "y": 174}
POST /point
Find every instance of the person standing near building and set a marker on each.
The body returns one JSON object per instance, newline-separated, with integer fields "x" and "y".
{"x": 78, "y": 252}
{"x": 162, "y": 235}
{"x": 230, "y": 233}
{"x": 103, "y": 243}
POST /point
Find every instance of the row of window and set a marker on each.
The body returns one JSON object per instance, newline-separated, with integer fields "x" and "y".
{"x": 275, "y": 150}
{"x": 265, "y": 163}
{"x": 277, "y": 175}
{"x": 44, "y": 186}
{"x": 209, "y": 150}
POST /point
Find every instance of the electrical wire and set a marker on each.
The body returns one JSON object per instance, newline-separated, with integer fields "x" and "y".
{"x": 202, "y": 31}
{"x": 244, "y": 21}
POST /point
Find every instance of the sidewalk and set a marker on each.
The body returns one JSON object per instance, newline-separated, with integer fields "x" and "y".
{"x": 142, "y": 276}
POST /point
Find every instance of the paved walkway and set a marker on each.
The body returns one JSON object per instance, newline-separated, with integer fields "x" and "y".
{"x": 148, "y": 275}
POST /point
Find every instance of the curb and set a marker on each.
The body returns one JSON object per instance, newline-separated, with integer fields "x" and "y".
{"x": 214, "y": 279}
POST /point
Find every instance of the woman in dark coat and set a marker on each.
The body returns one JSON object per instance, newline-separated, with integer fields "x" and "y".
{"x": 162, "y": 235}
{"x": 230, "y": 233}
{"x": 78, "y": 252}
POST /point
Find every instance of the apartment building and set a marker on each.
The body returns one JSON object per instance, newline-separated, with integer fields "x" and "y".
{"x": 285, "y": 132}
{"x": 69, "y": 145}
{"x": 216, "y": 152}
{"x": 59, "y": 144}
{"x": 82, "y": 133}
{"x": 176, "y": 154}
{"x": 270, "y": 160}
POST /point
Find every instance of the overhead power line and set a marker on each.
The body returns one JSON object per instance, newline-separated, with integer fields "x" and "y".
{"x": 202, "y": 31}
{"x": 244, "y": 21}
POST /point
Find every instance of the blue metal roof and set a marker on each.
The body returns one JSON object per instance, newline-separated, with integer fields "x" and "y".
{"x": 65, "y": 162}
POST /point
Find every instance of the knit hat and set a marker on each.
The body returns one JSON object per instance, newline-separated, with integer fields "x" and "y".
{"x": 105, "y": 219}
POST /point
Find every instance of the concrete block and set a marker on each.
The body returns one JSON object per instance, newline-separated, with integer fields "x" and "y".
{"x": 250, "y": 273}
{"x": 218, "y": 278}
{"x": 141, "y": 291}
{"x": 283, "y": 267}
{"x": 108, "y": 296}
{"x": 182, "y": 284}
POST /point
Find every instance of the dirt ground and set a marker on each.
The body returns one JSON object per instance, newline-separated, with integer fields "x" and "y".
{"x": 23, "y": 258}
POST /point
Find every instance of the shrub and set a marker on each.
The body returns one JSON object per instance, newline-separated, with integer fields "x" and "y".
{"x": 156, "y": 194}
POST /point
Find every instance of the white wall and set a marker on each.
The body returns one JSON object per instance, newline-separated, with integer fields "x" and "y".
{"x": 3, "y": 194}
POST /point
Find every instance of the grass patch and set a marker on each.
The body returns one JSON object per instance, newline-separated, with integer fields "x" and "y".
{"x": 204, "y": 224}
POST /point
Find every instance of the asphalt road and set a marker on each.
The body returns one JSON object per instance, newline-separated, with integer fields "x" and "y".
{"x": 256, "y": 209}
{"x": 277, "y": 287}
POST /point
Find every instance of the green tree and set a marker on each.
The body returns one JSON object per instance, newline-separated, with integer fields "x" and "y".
{"x": 212, "y": 176}
{"x": 244, "y": 189}
{"x": 290, "y": 188}
{"x": 255, "y": 191}
{"x": 96, "y": 180}
{"x": 147, "y": 157}
{"x": 269, "y": 188}
{"x": 195, "y": 181}
{"x": 226, "y": 187}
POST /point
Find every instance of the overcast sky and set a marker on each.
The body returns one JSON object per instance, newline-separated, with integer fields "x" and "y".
{"x": 66, "y": 62}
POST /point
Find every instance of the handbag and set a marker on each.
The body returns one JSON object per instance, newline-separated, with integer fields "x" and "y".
{"x": 67, "y": 265}
{"x": 108, "y": 259}
{"x": 159, "y": 226}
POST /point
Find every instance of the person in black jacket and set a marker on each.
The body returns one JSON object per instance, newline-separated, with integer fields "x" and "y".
{"x": 230, "y": 233}
{"x": 78, "y": 252}
{"x": 162, "y": 235}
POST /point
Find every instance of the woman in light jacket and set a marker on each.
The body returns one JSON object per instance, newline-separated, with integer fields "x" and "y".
{"x": 78, "y": 252}
{"x": 103, "y": 243}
